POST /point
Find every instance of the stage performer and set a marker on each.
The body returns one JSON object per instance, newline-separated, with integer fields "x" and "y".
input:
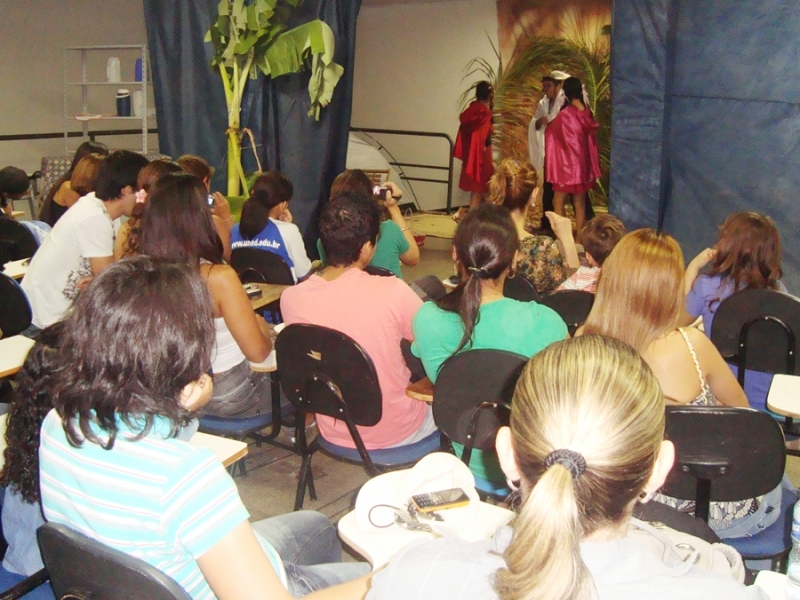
{"x": 572, "y": 162}
{"x": 474, "y": 145}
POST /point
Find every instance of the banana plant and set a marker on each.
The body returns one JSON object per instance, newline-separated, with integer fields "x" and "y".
{"x": 252, "y": 37}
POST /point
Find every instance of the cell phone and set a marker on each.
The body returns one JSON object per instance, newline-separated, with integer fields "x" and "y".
{"x": 210, "y": 200}
{"x": 252, "y": 290}
{"x": 379, "y": 192}
{"x": 452, "y": 498}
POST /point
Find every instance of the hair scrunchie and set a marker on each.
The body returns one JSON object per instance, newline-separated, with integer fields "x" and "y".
{"x": 479, "y": 273}
{"x": 571, "y": 460}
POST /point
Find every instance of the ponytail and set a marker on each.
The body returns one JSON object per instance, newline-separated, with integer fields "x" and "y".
{"x": 544, "y": 559}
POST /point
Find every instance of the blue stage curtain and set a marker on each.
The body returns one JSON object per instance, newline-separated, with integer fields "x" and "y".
{"x": 706, "y": 107}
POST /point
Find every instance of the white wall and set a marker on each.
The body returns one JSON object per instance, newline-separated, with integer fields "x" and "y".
{"x": 410, "y": 61}
{"x": 34, "y": 33}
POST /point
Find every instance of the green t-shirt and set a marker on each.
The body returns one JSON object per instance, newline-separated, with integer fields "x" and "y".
{"x": 391, "y": 244}
{"x": 506, "y": 324}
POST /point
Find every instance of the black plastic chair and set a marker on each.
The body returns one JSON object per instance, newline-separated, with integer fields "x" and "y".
{"x": 472, "y": 396}
{"x": 261, "y": 266}
{"x": 15, "y": 311}
{"x": 520, "y": 288}
{"x": 81, "y": 567}
{"x": 379, "y": 271}
{"x": 729, "y": 454}
{"x": 16, "y": 241}
{"x": 573, "y": 306}
{"x": 324, "y": 371}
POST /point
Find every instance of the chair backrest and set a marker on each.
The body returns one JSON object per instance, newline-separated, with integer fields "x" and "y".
{"x": 571, "y": 305}
{"x": 326, "y": 372}
{"x": 521, "y": 288}
{"x": 260, "y": 266}
{"x": 759, "y": 330}
{"x": 379, "y": 271}
{"x": 15, "y": 311}
{"x": 723, "y": 454}
{"x": 81, "y": 567}
{"x": 471, "y": 395}
{"x": 16, "y": 240}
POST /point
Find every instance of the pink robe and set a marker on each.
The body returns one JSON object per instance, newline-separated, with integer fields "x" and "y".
{"x": 572, "y": 159}
{"x": 476, "y": 128}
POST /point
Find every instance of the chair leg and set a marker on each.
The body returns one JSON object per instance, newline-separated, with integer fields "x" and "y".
{"x": 302, "y": 483}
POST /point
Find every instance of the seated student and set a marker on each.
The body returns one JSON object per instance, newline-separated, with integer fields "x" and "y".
{"x": 375, "y": 311}
{"x": 132, "y": 371}
{"x": 81, "y": 244}
{"x": 266, "y": 223}
{"x": 22, "y": 512}
{"x": 14, "y": 184}
{"x": 513, "y": 185}
{"x": 220, "y": 208}
{"x": 53, "y": 210}
{"x": 747, "y": 255}
{"x": 600, "y": 236}
{"x": 476, "y": 315}
{"x": 130, "y": 232}
{"x": 177, "y": 225}
{"x": 640, "y": 300}
{"x": 586, "y": 443}
{"x": 396, "y": 243}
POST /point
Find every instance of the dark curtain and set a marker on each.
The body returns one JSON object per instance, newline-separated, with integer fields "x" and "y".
{"x": 707, "y": 117}
{"x": 190, "y": 101}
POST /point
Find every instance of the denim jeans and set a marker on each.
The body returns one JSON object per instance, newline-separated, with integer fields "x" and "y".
{"x": 309, "y": 547}
{"x": 768, "y": 512}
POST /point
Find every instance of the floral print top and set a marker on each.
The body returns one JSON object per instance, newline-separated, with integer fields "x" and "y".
{"x": 542, "y": 262}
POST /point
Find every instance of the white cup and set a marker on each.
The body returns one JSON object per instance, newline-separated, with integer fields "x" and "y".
{"x": 113, "y": 72}
{"x": 136, "y": 103}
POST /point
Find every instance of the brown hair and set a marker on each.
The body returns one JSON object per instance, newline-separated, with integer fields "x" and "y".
{"x": 196, "y": 165}
{"x": 600, "y": 235}
{"x": 84, "y": 176}
{"x": 640, "y": 294}
{"x": 351, "y": 180}
{"x": 748, "y": 251}
{"x": 512, "y": 184}
{"x": 147, "y": 177}
{"x": 597, "y": 397}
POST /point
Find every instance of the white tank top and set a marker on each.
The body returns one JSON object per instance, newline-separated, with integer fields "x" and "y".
{"x": 226, "y": 353}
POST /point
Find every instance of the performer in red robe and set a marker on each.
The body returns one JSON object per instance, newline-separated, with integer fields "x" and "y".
{"x": 572, "y": 159}
{"x": 474, "y": 144}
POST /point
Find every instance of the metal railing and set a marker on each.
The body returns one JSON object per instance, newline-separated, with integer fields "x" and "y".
{"x": 53, "y": 136}
{"x": 395, "y": 163}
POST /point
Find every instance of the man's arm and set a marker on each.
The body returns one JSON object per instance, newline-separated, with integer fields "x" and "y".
{"x": 98, "y": 263}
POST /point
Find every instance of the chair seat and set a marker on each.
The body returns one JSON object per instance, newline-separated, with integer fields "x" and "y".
{"x": 386, "y": 457}
{"x": 775, "y": 539}
{"x": 226, "y": 426}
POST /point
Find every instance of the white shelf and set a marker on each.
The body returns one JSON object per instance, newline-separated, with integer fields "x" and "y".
{"x": 117, "y": 83}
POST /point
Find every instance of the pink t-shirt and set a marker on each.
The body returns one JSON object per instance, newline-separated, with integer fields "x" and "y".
{"x": 377, "y": 313}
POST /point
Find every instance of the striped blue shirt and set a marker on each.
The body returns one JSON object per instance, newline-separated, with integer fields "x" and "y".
{"x": 158, "y": 499}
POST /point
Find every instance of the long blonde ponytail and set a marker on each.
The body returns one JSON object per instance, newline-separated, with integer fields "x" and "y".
{"x": 590, "y": 399}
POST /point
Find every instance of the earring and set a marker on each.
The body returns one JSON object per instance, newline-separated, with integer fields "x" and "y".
{"x": 645, "y": 497}
{"x": 511, "y": 273}
{"x": 513, "y": 485}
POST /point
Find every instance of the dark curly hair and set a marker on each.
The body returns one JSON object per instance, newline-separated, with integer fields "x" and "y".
{"x": 139, "y": 334}
{"x": 29, "y": 405}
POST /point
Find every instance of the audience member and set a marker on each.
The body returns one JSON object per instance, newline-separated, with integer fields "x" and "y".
{"x": 81, "y": 244}
{"x": 476, "y": 315}
{"x": 220, "y": 208}
{"x": 267, "y": 224}
{"x": 136, "y": 350}
{"x": 586, "y": 443}
{"x": 81, "y": 183}
{"x": 375, "y": 311}
{"x": 640, "y": 300}
{"x": 51, "y": 211}
{"x": 130, "y": 233}
{"x": 600, "y": 236}
{"x": 514, "y": 186}
{"x": 177, "y": 225}
{"x": 14, "y": 183}
{"x": 22, "y": 511}
{"x": 747, "y": 255}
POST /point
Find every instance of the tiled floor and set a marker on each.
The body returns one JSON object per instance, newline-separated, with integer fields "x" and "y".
{"x": 268, "y": 488}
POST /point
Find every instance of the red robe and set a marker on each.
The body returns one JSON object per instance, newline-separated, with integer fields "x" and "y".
{"x": 471, "y": 147}
{"x": 572, "y": 159}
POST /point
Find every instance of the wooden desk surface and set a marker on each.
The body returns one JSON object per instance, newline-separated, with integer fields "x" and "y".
{"x": 16, "y": 268}
{"x": 270, "y": 292}
{"x": 784, "y": 395}
{"x": 421, "y": 390}
{"x": 13, "y": 351}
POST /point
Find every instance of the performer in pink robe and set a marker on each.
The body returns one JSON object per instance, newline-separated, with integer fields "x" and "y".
{"x": 572, "y": 160}
{"x": 474, "y": 144}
